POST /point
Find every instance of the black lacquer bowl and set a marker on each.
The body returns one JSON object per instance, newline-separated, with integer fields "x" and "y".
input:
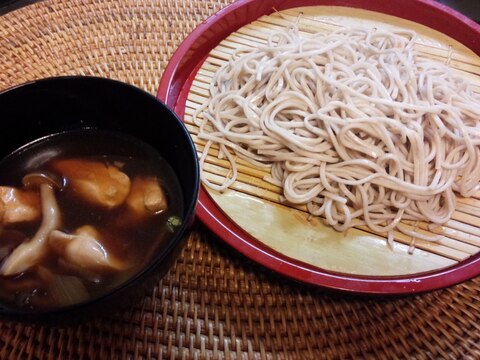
{"x": 54, "y": 105}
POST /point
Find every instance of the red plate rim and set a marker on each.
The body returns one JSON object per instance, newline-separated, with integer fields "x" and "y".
{"x": 176, "y": 82}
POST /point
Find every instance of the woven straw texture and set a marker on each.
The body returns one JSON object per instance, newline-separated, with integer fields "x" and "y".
{"x": 214, "y": 303}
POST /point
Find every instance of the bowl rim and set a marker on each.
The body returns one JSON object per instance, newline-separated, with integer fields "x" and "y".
{"x": 164, "y": 252}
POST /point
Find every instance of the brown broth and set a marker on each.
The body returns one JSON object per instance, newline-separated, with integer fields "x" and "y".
{"x": 133, "y": 242}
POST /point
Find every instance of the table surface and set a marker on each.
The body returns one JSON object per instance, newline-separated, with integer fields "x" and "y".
{"x": 214, "y": 303}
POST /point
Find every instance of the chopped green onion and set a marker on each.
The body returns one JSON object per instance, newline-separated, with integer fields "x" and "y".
{"x": 173, "y": 222}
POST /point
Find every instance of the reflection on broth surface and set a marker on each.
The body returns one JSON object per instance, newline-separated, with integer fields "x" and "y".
{"x": 106, "y": 205}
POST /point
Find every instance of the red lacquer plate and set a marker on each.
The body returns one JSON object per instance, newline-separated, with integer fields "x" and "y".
{"x": 174, "y": 88}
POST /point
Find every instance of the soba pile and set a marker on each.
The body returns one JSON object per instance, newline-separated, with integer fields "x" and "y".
{"x": 353, "y": 123}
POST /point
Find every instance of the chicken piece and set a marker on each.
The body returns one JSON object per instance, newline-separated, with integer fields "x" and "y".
{"x": 146, "y": 197}
{"x": 18, "y": 205}
{"x": 97, "y": 183}
{"x": 83, "y": 250}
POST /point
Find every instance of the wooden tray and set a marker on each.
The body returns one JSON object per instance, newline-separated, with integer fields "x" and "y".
{"x": 253, "y": 206}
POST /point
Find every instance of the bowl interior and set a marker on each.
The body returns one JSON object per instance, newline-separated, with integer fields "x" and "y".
{"x": 54, "y": 105}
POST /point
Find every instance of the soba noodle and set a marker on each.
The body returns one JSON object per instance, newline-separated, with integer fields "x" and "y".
{"x": 353, "y": 123}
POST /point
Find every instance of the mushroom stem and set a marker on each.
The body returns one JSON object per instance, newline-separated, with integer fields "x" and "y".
{"x": 30, "y": 253}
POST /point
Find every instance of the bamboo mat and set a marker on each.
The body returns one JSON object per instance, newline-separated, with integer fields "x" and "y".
{"x": 460, "y": 236}
{"x": 214, "y": 303}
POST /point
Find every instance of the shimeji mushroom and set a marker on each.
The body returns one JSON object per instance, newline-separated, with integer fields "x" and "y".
{"x": 31, "y": 252}
{"x": 97, "y": 183}
{"x": 83, "y": 250}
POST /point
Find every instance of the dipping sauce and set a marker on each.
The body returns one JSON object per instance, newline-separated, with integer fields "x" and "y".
{"x": 80, "y": 213}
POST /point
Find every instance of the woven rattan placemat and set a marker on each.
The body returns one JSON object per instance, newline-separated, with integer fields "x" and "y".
{"x": 214, "y": 303}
